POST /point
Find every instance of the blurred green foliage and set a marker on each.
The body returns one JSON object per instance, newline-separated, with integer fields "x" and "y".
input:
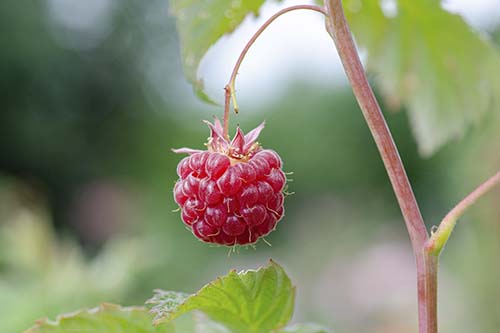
{"x": 104, "y": 319}
{"x": 431, "y": 61}
{"x": 87, "y": 118}
{"x": 41, "y": 273}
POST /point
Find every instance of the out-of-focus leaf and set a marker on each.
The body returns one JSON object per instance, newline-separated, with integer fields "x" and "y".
{"x": 368, "y": 22}
{"x": 430, "y": 61}
{"x": 201, "y": 24}
{"x": 204, "y": 325}
{"x": 108, "y": 318}
{"x": 304, "y": 328}
{"x": 166, "y": 302}
{"x": 251, "y": 301}
{"x": 42, "y": 275}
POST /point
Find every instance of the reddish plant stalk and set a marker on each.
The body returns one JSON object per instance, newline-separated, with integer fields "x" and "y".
{"x": 426, "y": 265}
{"x": 425, "y": 248}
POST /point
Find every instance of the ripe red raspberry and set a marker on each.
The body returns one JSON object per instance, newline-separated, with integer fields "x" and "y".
{"x": 230, "y": 193}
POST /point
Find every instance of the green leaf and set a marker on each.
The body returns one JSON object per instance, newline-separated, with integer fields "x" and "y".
{"x": 251, "y": 301}
{"x": 432, "y": 62}
{"x": 201, "y": 24}
{"x": 166, "y": 302}
{"x": 108, "y": 318}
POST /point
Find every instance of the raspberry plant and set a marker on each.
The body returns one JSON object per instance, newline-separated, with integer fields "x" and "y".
{"x": 231, "y": 193}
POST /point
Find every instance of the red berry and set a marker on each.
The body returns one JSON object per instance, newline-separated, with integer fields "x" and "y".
{"x": 231, "y": 193}
{"x": 197, "y": 163}
{"x": 230, "y": 182}
{"x": 188, "y": 219}
{"x": 276, "y": 202}
{"x": 209, "y": 192}
{"x": 190, "y": 185}
{"x": 232, "y": 204}
{"x": 276, "y": 179}
{"x": 246, "y": 171}
{"x": 217, "y": 164}
{"x": 204, "y": 231}
{"x": 249, "y": 195}
{"x": 234, "y": 226}
{"x": 265, "y": 190}
{"x": 254, "y": 215}
{"x": 216, "y": 216}
{"x": 179, "y": 195}
{"x": 194, "y": 207}
{"x": 262, "y": 168}
{"x": 183, "y": 168}
{"x": 267, "y": 226}
{"x": 271, "y": 157}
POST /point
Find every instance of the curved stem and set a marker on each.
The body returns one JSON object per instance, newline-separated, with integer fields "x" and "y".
{"x": 438, "y": 239}
{"x": 227, "y": 101}
{"x": 229, "y": 88}
{"x": 426, "y": 266}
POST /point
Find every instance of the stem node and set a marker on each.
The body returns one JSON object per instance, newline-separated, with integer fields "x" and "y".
{"x": 439, "y": 238}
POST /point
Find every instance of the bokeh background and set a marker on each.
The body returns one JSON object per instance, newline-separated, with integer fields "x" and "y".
{"x": 93, "y": 98}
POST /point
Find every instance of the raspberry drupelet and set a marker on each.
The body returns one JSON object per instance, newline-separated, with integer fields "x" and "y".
{"x": 231, "y": 193}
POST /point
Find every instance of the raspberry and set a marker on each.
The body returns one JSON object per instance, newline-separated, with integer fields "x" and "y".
{"x": 230, "y": 193}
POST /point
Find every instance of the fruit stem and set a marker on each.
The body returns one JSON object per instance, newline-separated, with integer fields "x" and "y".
{"x": 338, "y": 28}
{"x": 230, "y": 91}
{"x": 439, "y": 238}
{"x": 227, "y": 102}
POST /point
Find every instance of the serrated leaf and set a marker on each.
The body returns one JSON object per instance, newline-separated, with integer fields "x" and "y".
{"x": 305, "y": 328}
{"x": 251, "y": 301}
{"x": 108, "y": 318}
{"x": 432, "y": 62}
{"x": 201, "y": 24}
{"x": 165, "y": 302}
